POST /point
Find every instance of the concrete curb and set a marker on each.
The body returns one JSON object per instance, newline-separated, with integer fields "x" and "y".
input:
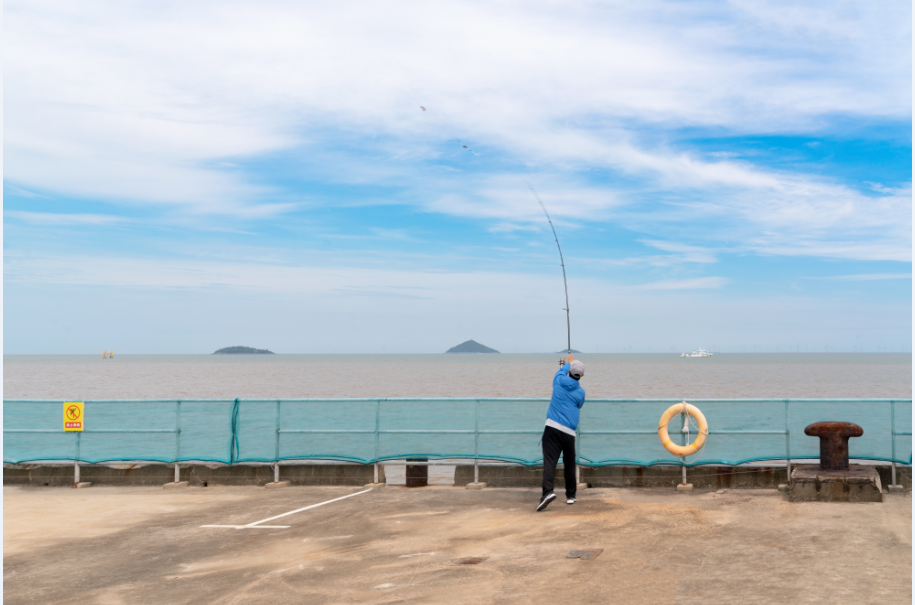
{"x": 202, "y": 475}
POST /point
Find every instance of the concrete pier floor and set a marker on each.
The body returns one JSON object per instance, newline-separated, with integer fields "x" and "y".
{"x": 113, "y": 545}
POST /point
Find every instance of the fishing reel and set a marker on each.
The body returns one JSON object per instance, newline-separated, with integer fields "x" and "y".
{"x": 562, "y": 361}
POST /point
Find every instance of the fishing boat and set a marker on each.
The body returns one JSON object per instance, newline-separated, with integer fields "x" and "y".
{"x": 700, "y": 352}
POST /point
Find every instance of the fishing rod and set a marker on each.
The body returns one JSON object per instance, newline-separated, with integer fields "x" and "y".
{"x": 565, "y": 283}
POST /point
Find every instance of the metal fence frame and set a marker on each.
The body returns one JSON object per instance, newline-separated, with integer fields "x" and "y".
{"x": 233, "y": 446}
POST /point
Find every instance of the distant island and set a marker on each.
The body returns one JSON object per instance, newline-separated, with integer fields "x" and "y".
{"x": 243, "y": 351}
{"x": 471, "y": 346}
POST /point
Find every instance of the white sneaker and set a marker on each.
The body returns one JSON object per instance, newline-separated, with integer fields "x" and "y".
{"x": 570, "y": 501}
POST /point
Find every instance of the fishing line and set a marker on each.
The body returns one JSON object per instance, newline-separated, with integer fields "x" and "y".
{"x": 562, "y": 263}
{"x": 565, "y": 283}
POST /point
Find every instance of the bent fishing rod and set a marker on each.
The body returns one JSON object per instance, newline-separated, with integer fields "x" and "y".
{"x": 562, "y": 263}
{"x": 565, "y": 283}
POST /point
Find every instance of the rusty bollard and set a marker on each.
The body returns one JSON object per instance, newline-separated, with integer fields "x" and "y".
{"x": 834, "y": 442}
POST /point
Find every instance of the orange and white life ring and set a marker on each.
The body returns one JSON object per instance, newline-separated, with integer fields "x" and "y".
{"x": 683, "y": 450}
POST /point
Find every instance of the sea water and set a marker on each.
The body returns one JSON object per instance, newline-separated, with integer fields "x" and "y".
{"x": 725, "y": 375}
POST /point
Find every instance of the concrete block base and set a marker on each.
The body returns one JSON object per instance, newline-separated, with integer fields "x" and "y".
{"x": 895, "y": 489}
{"x": 583, "y": 486}
{"x": 175, "y": 484}
{"x": 684, "y": 487}
{"x": 82, "y": 484}
{"x": 784, "y": 487}
{"x": 857, "y": 484}
{"x": 374, "y": 485}
{"x": 277, "y": 484}
{"x": 476, "y": 485}
{"x": 198, "y": 475}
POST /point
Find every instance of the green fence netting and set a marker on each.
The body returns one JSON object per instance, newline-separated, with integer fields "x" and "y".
{"x": 612, "y": 431}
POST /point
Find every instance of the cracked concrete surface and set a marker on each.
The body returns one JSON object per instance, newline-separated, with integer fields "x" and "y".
{"x": 115, "y": 545}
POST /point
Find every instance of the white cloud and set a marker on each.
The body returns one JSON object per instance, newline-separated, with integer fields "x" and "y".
{"x": 685, "y": 252}
{"x": 802, "y": 216}
{"x": 867, "y": 277}
{"x": 698, "y": 283}
{"x": 149, "y": 105}
{"x": 506, "y": 198}
{"x": 56, "y": 219}
{"x": 329, "y": 309}
{"x": 19, "y": 192}
{"x": 511, "y": 228}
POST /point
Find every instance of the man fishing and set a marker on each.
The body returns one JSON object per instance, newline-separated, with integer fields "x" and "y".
{"x": 559, "y": 433}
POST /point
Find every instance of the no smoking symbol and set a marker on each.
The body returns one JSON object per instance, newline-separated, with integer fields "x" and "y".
{"x": 73, "y": 412}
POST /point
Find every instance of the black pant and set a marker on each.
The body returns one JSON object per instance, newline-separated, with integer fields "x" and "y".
{"x": 554, "y": 442}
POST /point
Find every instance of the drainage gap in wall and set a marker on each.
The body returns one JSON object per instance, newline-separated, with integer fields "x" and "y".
{"x": 204, "y": 484}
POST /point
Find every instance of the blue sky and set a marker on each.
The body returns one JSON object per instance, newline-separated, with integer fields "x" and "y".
{"x": 179, "y": 178}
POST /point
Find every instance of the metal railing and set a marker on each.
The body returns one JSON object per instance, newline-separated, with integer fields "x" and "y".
{"x": 369, "y": 431}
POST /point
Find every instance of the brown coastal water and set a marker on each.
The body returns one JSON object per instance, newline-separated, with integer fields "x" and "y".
{"x": 833, "y": 375}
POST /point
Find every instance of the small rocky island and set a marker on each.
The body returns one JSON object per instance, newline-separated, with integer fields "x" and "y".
{"x": 471, "y": 346}
{"x": 243, "y": 351}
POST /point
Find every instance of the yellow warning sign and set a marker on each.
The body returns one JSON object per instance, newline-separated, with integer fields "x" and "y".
{"x": 74, "y": 416}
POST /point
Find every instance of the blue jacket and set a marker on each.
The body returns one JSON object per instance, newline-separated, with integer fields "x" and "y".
{"x": 568, "y": 397}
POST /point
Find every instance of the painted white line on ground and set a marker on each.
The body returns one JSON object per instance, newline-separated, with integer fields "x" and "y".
{"x": 257, "y": 524}
{"x": 247, "y": 527}
{"x": 298, "y": 510}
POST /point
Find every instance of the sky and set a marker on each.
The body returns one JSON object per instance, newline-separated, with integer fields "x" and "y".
{"x": 356, "y": 177}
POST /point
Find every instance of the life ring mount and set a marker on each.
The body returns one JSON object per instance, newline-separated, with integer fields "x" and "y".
{"x": 667, "y": 442}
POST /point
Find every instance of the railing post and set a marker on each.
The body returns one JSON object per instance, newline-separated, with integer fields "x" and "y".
{"x": 177, "y": 440}
{"x": 276, "y": 449}
{"x": 377, "y": 426}
{"x": 476, "y": 441}
{"x": 684, "y": 434}
{"x": 76, "y": 462}
{"x": 893, "y": 438}
{"x": 577, "y": 457}
{"x": 787, "y": 444}
{"x": 276, "y": 471}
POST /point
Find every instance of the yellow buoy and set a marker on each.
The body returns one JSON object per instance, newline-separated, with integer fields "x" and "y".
{"x": 683, "y": 450}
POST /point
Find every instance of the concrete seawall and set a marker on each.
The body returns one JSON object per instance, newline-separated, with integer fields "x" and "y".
{"x": 703, "y": 477}
{"x": 198, "y": 475}
{"x": 201, "y": 475}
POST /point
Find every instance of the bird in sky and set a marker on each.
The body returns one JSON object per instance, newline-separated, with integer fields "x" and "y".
{"x": 423, "y": 108}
